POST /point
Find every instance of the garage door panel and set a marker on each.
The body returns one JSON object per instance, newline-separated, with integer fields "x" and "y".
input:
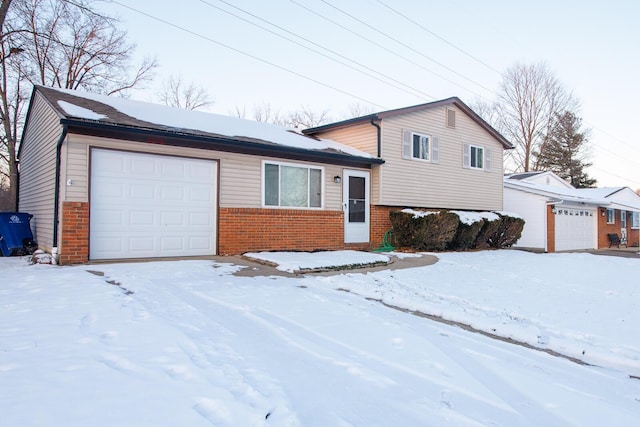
{"x": 575, "y": 229}
{"x": 147, "y": 205}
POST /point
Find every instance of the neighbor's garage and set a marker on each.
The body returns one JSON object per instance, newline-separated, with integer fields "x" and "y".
{"x": 145, "y": 205}
{"x": 575, "y": 229}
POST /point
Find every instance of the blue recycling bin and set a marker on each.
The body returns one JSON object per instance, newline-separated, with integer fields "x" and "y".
{"x": 15, "y": 234}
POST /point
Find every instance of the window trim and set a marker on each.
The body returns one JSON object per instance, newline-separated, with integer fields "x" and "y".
{"x": 407, "y": 147}
{"x": 611, "y": 216}
{"x": 295, "y": 165}
{"x": 429, "y": 146}
{"x": 466, "y": 157}
{"x": 472, "y": 158}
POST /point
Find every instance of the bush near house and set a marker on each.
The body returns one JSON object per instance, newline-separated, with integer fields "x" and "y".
{"x": 508, "y": 233}
{"x": 423, "y": 231}
{"x": 467, "y": 235}
{"x": 454, "y": 230}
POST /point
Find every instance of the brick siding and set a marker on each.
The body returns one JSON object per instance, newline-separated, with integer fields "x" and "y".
{"x": 74, "y": 239}
{"x": 253, "y": 229}
{"x": 604, "y": 228}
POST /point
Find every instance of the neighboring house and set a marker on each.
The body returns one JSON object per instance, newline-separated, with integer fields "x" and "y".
{"x": 110, "y": 178}
{"x": 439, "y": 155}
{"x": 559, "y": 217}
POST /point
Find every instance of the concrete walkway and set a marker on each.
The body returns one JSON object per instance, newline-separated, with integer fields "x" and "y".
{"x": 253, "y": 268}
{"x": 632, "y": 252}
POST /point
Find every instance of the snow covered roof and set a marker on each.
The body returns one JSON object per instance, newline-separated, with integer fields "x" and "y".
{"x": 90, "y": 110}
{"x": 612, "y": 197}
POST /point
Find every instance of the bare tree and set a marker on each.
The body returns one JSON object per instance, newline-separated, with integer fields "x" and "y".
{"x": 178, "y": 94}
{"x": 528, "y": 100}
{"x": 357, "y": 109}
{"x": 305, "y": 117}
{"x": 59, "y": 43}
{"x": 260, "y": 113}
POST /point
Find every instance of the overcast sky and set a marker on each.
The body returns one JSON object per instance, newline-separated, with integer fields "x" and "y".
{"x": 458, "y": 49}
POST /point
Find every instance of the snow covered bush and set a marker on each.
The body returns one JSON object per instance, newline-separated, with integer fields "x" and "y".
{"x": 509, "y": 231}
{"x": 468, "y": 229}
{"x": 422, "y": 230}
{"x": 454, "y": 230}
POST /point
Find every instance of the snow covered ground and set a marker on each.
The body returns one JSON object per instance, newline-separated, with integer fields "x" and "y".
{"x": 187, "y": 343}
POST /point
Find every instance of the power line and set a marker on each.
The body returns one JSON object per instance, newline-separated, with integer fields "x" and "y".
{"x": 403, "y": 44}
{"x": 414, "y": 93}
{"x": 439, "y": 37}
{"x": 280, "y": 67}
{"x": 383, "y": 47}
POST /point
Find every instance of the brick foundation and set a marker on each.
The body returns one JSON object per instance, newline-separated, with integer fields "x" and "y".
{"x": 74, "y": 239}
{"x": 253, "y": 229}
{"x": 244, "y": 230}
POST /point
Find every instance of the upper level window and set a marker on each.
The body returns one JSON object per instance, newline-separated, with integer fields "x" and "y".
{"x": 289, "y": 185}
{"x": 611, "y": 216}
{"x": 419, "y": 146}
{"x": 476, "y": 157}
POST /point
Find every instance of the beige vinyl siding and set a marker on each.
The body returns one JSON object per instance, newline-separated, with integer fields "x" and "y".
{"x": 445, "y": 184}
{"x": 240, "y": 174}
{"x": 364, "y": 137}
{"x": 37, "y": 169}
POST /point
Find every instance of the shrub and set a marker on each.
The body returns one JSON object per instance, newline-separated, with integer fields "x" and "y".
{"x": 488, "y": 231}
{"x": 508, "y": 232}
{"x": 431, "y": 231}
{"x": 467, "y": 235}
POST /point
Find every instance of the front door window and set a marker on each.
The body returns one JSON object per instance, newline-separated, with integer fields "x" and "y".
{"x": 357, "y": 199}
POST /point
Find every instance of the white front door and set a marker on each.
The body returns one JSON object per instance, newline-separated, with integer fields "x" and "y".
{"x": 355, "y": 198}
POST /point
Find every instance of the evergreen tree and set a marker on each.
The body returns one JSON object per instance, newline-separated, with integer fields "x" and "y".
{"x": 564, "y": 151}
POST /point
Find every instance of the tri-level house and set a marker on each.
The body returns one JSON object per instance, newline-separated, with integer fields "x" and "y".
{"x": 111, "y": 178}
{"x": 438, "y": 155}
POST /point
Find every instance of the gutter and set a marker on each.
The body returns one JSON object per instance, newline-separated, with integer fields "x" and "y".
{"x": 374, "y": 123}
{"x": 56, "y": 197}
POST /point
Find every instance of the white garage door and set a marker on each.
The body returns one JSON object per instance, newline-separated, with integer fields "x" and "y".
{"x": 575, "y": 229}
{"x": 145, "y": 205}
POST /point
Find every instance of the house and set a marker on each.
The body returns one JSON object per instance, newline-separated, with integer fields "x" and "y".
{"x": 559, "y": 217}
{"x": 438, "y": 155}
{"x": 110, "y": 178}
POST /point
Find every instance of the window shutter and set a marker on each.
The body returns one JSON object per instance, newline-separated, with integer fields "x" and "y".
{"x": 487, "y": 160}
{"x": 407, "y": 145}
{"x": 465, "y": 156}
{"x": 435, "y": 149}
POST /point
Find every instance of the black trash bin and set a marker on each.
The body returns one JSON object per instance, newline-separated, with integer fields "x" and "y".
{"x": 15, "y": 234}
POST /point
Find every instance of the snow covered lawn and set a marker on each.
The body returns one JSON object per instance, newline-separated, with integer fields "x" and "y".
{"x": 187, "y": 343}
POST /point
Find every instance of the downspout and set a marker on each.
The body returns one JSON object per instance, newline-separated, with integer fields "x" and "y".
{"x": 56, "y": 197}
{"x": 374, "y": 123}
